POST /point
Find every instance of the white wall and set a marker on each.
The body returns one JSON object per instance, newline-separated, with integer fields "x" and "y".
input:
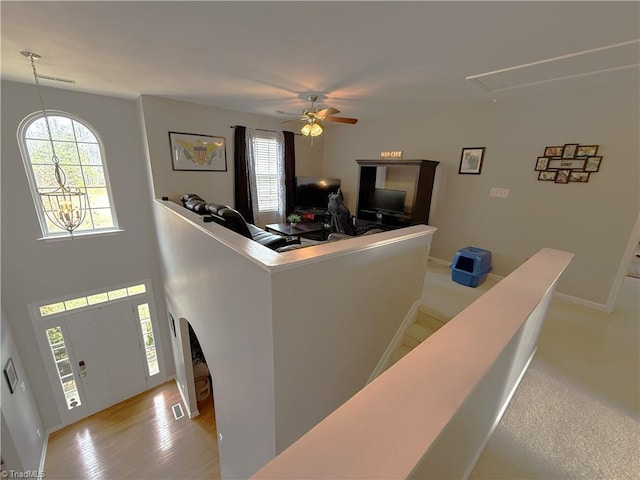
{"x": 457, "y": 449}
{"x": 430, "y": 414}
{"x": 162, "y": 116}
{"x": 22, "y": 426}
{"x": 222, "y": 296}
{"x": 288, "y": 337}
{"x": 35, "y": 270}
{"x": 333, "y": 320}
{"x": 594, "y": 220}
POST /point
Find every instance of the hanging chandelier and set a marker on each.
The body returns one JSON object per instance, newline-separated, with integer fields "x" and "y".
{"x": 64, "y": 206}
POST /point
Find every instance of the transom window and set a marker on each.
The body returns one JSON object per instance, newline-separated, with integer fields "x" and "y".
{"x": 81, "y": 155}
{"x": 93, "y": 299}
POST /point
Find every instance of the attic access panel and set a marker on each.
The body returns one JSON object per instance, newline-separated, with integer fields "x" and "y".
{"x": 597, "y": 61}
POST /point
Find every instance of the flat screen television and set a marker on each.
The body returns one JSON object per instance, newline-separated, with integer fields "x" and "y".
{"x": 313, "y": 192}
{"x": 391, "y": 201}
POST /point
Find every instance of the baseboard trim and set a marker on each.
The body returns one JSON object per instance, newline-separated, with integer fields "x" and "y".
{"x": 563, "y": 296}
{"x": 439, "y": 261}
{"x": 190, "y": 414}
{"x": 45, "y": 444}
{"x": 503, "y": 409}
{"x": 581, "y": 301}
{"x": 395, "y": 341}
{"x": 43, "y": 456}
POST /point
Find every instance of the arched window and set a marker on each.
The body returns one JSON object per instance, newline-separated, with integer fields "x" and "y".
{"x": 81, "y": 155}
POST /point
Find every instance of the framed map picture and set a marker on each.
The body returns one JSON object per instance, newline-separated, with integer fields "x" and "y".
{"x": 198, "y": 152}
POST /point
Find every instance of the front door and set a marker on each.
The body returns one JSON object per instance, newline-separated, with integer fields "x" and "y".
{"x": 110, "y": 364}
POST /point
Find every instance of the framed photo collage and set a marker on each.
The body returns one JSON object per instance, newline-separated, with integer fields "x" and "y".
{"x": 568, "y": 163}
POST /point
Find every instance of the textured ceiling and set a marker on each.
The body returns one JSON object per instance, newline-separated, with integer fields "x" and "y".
{"x": 367, "y": 59}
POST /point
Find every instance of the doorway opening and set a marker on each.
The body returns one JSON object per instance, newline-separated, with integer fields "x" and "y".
{"x": 634, "y": 265}
{"x": 628, "y": 265}
{"x": 201, "y": 374}
{"x": 98, "y": 347}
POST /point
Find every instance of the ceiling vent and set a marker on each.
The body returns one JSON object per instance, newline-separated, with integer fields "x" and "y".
{"x": 597, "y": 61}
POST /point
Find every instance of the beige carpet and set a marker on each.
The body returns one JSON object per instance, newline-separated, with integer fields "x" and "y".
{"x": 556, "y": 429}
{"x": 576, "y": 412}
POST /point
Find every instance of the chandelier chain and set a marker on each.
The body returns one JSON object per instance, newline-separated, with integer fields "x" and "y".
{"x": 64, "y": 207}
{"x": 44, "y": 113}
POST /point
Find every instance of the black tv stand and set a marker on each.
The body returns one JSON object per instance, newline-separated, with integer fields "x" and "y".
{"x": 314, "y": 214}
{"x": 313, "y": 211}
{"x": 384, "y": 218}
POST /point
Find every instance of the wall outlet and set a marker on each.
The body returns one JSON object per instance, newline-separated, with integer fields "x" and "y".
{"x": 23, "y": 387}
{"x": 499, "y": 192}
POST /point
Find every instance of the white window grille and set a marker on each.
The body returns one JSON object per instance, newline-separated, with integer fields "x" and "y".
{"x": 63, "y": 367}
{"x": 267, "y": 173}
{"x": 81, "y": 155}
{"x": 144, "y": 316}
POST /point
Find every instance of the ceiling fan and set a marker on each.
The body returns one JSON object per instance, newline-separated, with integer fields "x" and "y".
{"x": 312, "y": 118}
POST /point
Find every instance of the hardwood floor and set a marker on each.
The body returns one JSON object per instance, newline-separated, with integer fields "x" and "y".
{"x": 138, "y": 439}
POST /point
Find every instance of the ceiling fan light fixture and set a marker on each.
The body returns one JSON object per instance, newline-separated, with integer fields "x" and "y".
{"x": 316, "y": 129}
{"x": 312, "y": 117}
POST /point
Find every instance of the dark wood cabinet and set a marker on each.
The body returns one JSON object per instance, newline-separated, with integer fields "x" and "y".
{"x": 416, "y": 177}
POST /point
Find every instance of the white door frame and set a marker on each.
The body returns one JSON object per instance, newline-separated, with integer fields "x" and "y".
{"x": 41, "y": 323}
{"x": 632, "y": 245}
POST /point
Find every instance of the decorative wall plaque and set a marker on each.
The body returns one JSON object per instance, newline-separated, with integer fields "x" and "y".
{"x": 394, "y": 155}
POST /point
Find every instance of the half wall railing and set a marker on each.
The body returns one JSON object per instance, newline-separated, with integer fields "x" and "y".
{"x": 431, "y": 414}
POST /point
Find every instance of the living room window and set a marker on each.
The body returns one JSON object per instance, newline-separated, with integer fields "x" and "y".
{"x": 266, "y": 173}
{"x": 81, "y": 155}
{"x": 268, "y": 162}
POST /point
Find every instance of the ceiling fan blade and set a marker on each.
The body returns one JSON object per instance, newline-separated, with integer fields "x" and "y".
{"x": 327, "y": 111}
{"x": 290, "y": 114}
{"x": 341, "y": 120}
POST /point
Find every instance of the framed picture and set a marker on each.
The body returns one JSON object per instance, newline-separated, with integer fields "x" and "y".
{"x": 198, "y": 152}
{"x": 563, "y": 176}
{"x": 471, "y": 160}
{"x": 593, "y": 164}
{"x": 11, "y": 375}
{"x": 582, "y": 177}
{"x": 566, "y": 164}
{"x": 569, "y": 150}
{"x": 587, "y": 150}
{"x": 553, "y": 151}
{"x": 548, "y": 176}
{"x": 542, "y": 164}
{"x": 172, "y": 324}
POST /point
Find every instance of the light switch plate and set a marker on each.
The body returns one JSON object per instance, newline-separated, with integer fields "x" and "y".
{"x": 499, "y": 192}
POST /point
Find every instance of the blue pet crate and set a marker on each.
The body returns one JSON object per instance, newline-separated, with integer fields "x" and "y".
{"x": 471, "y": 266}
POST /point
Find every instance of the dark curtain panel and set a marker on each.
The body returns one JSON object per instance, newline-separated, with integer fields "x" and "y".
{"x": 289, "y": 171}
{"x": 241, "y": 192}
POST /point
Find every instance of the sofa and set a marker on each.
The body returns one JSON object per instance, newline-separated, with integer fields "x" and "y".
{"x": 233, "y": 220}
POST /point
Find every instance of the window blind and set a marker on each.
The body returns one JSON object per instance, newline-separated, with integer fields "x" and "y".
{"x": 266, "y": 173}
